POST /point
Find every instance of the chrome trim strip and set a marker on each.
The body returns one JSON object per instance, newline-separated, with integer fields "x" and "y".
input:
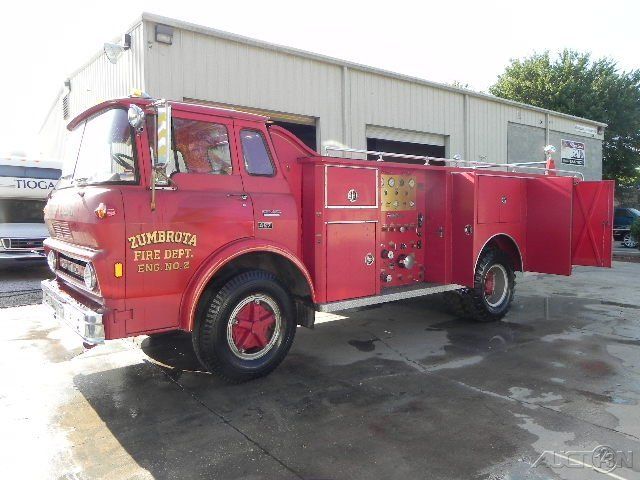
{"x": 398, "y": 294}
{"x": 351, "y": 221}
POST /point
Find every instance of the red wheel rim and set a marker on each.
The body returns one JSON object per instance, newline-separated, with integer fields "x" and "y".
{"x": 253, "y": 326}
{"x": 490, "y": 283}
{"x": 496, "y": 285}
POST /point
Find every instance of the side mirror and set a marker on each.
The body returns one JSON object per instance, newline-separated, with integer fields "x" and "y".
{"x": 162, "y": 149}
{"x": 136, "y": 117}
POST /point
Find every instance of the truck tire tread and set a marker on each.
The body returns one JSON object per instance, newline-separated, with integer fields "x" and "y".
{"x": 207, "y": 332}
{"x": 469, "y": 303}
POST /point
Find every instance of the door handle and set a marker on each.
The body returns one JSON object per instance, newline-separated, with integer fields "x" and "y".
{"x": 242, "y": 196}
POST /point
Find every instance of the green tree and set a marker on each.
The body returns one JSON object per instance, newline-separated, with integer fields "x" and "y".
{"x": 573, "y": 83}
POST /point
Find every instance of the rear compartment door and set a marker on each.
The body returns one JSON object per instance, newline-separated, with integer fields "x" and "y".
{"x": 548, "y": 225}
{"x": 592, "y": 224}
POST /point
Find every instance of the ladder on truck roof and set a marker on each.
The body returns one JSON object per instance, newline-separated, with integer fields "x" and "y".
{"x": 456, "y": 161}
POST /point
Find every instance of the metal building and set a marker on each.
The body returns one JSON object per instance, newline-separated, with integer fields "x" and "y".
{"x": 325, "y": 101}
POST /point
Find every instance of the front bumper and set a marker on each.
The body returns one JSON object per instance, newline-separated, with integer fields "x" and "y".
{"x": 81, "y": 319}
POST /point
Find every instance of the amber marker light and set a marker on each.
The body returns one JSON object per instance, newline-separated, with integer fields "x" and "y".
{"x": 117, "y": 270}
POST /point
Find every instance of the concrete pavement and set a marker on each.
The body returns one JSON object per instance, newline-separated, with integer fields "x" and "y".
{"x": 20, "y": 284}
{"x": 402, "y": 390}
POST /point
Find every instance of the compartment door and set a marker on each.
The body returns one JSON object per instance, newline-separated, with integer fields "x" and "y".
{"x": 548, "y": 225}
{"x": 499, "y": 199}
{"x": 351, "y": 187}
{"x": 592, "y": 225}
{"x": 351, "y": 260}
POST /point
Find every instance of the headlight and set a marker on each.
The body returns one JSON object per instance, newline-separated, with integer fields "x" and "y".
{"x": 90, "y": 280}
{"x": 52, "y": 261}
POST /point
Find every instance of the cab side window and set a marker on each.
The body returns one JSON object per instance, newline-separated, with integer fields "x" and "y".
{"x": 200, "y": 147}
{"x": 257, "y": 160}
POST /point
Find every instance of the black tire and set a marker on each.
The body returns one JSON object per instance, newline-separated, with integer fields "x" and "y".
{"x": 455, "y": 304}
{"x": 474, "y": 303}
{"x": 211, "y": 343}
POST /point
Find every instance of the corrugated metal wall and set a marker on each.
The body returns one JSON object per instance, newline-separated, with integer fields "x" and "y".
{"x": 206, "y": 68}
{"x": 101, "y": 80}
{"x": 382, "y": 101}
{"x": 346, "y": 100}
{"x": 96, "y": 81}
{"x": 52, "y": 131}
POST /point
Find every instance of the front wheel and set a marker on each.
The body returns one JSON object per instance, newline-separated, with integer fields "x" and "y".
{"x": 494, "y": 286}
{"x": 246, "y": 329}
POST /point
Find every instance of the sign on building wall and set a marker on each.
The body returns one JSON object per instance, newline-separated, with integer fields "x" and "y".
{"x": 572, "y": 153}
{"x": 588, "y": 130}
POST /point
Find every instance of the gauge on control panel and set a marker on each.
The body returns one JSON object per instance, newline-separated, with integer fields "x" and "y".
{"x": 392, "y": 182}
{"x": 412, "y": 182}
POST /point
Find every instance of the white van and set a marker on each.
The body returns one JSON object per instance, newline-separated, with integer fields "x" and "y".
{"x": 24, "y": 187}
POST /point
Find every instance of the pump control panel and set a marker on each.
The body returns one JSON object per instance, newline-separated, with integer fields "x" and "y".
{"x": 397, "y": 192}
{"x": 401, "y": 248}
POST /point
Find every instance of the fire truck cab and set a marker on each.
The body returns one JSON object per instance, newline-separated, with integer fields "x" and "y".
{"x": 176, "y": 216}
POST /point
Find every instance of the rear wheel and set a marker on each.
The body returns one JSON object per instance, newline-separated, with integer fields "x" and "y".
{"x": 494, "y": 287}
{"x": 246, "y": 328}
{"x": 628, "y": 240}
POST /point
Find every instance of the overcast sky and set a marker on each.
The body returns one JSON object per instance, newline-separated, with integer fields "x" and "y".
{"x": 445, "y": 41}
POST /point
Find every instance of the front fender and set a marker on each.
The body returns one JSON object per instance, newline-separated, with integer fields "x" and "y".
{"x": 218, "y": 260}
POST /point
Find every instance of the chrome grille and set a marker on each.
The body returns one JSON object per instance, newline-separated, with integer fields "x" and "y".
{"x": 22, "y": 243}
{"x": 61, "y": 230}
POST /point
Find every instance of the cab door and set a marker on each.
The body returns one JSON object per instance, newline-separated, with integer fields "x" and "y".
{"x": 275, "y": 213}
{"x": 202, "y": 210}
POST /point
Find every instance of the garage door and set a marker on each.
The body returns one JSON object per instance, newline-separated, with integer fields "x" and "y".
{"x": 393, "y": 140}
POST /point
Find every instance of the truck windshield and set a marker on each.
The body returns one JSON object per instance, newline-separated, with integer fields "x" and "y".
{"x": 14, "y": 210}
{"x": 100, "y": 150}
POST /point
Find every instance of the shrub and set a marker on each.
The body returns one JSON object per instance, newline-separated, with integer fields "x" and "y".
{"x": 635, "y": 230}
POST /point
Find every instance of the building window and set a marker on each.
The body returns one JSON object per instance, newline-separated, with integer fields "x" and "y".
{"x": 200, "y": 147}
{"x": 257, "y": 160}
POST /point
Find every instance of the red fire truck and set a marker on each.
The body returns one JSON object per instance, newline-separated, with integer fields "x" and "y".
{"x": 175, "y": 216}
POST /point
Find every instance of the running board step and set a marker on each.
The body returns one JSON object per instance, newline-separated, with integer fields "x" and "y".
{"x": 389, "y": 295}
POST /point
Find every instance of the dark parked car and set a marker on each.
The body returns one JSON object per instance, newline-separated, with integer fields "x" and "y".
{"x": 624, "y": 217}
